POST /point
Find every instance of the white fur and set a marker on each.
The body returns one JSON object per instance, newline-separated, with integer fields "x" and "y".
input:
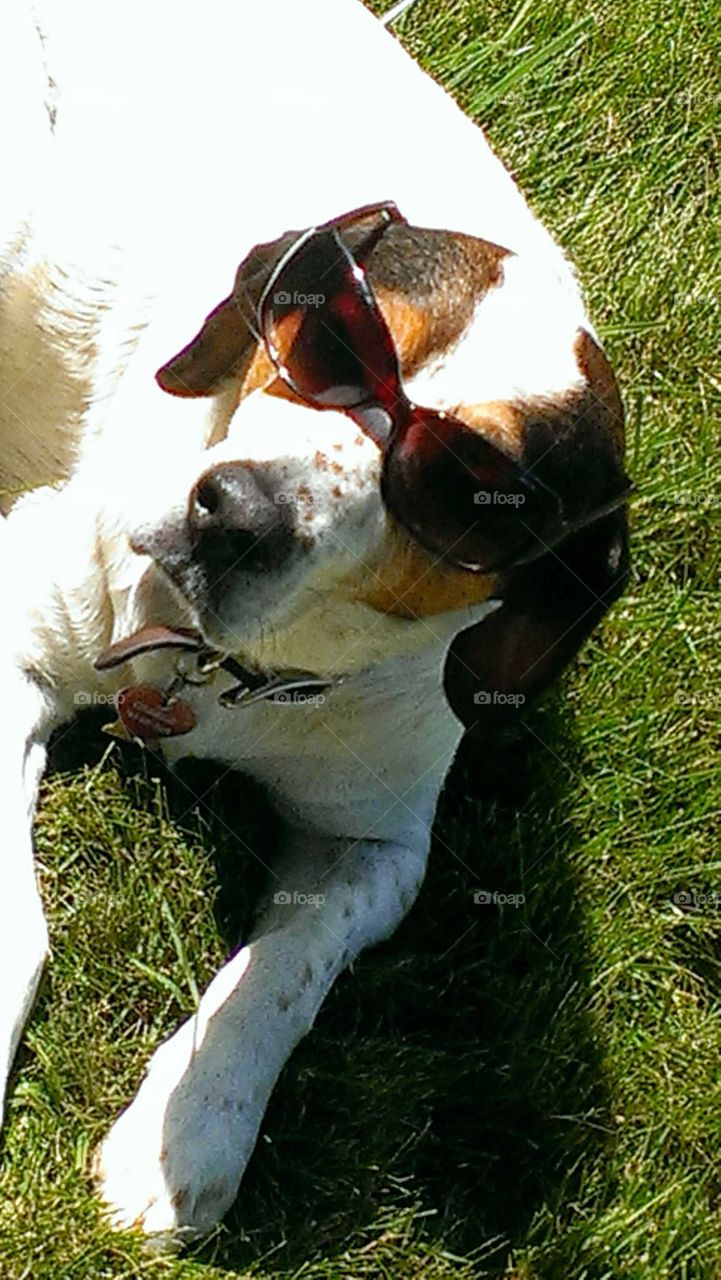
{"x": 207, "y": 129}
{"x": 520, "y": 344}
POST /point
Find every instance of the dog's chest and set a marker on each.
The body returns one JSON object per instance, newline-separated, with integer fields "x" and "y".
{"x": 365, "y": 757}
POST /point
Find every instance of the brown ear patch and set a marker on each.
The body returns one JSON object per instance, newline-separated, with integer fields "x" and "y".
{"x": 427, "y": 284}
{"x": 574, "y": 443}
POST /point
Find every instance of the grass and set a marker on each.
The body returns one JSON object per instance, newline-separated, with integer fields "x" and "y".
{"x": 534, "y": 1092}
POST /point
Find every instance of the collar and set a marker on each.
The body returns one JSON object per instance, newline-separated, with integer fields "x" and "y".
{"x": 147, "y": 713}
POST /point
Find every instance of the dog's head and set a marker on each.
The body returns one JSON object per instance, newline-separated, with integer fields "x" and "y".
{"x": 289, "y": 531}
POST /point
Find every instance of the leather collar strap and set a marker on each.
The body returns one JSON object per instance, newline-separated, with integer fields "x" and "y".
{"x": 148, "y": 640}
{"x": 147, "y": 714}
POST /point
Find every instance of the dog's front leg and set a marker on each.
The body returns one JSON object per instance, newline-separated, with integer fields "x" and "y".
{"x": 26, "y": 724}
{"x": 173, "y": 1161}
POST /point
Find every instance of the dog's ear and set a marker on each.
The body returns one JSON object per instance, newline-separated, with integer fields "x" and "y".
{"x": 227, "y": 338}
{"x": 551, "y": 604}
{"x": 494, "y": 670}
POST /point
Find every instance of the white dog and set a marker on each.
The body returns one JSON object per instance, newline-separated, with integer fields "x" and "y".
{"x": 351, "y": 585}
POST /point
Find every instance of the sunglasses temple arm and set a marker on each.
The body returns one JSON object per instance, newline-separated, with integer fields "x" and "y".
{"x": 567, "y": 529}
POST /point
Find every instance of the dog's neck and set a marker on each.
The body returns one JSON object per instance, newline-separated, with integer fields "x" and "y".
{"x": 329, "y": 632}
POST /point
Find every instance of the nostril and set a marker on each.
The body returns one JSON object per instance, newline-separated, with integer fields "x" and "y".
{"x": 207, "y": 496}
{"x": 232, "y": 516}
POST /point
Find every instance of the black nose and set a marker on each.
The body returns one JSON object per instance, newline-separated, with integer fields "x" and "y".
{"x": 235, "y": 521}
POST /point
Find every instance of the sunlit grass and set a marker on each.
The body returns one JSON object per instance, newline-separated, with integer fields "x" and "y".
{"x": 531, "y": 1091}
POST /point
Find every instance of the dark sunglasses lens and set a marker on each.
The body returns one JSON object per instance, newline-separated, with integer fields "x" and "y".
{"x": 324, "y": 331}
{"x": 462, "y": 498}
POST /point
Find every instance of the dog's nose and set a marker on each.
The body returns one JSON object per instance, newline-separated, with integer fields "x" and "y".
{"x": 234, "y": 519}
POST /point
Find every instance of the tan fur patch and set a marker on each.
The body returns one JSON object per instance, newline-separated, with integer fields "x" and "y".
{"x": 498, "y": 421}
{"x": 411, "y": 328}
{"x": 261, "y": 374}
{"x": 405, "y": 580}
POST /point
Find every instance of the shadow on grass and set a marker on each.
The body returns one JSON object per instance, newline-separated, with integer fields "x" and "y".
{"x": 456, "y": 1070}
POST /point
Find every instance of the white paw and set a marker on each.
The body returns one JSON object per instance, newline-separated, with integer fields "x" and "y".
{"x": 172, "y": 1162}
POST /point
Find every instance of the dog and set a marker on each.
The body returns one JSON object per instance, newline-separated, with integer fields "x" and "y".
{"x": 320, "y": 583}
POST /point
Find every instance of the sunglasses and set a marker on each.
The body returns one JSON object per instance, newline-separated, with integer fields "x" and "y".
{"x": 459, "y": 496}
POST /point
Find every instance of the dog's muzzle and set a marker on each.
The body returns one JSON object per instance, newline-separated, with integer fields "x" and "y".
{"x": 229, "y": 548}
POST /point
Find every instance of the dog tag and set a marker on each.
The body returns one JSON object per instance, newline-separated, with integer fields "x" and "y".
{"x": 145, "y": 714}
